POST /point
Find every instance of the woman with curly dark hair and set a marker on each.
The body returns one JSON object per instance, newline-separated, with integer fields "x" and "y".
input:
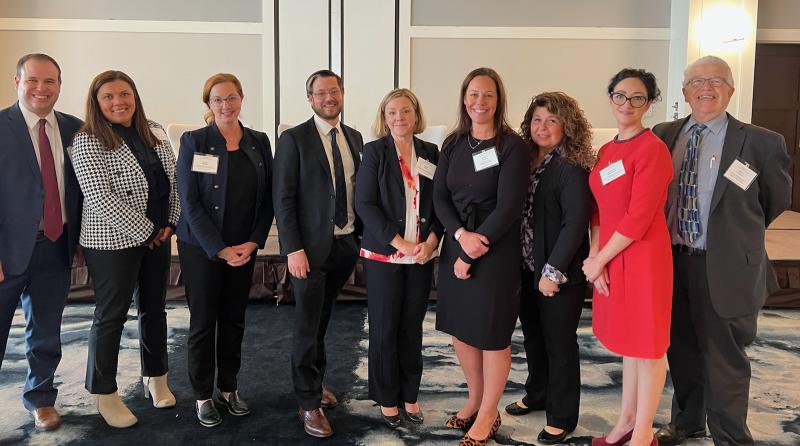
{"x": 555, "y": 223}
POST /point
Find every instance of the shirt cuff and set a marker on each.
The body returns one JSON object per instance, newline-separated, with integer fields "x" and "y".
{"x": 553, "y": 274}
{"x": 293, "y": 253}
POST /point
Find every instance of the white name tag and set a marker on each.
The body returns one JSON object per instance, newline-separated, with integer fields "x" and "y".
{"x": 158, "y": 133}
{"x": 612, "y": 172}
{"x": 426, "y": 168}
{"x": 485, "y": 159}
{"x": 741, "y": 174}
{"x": 203, "y": 163}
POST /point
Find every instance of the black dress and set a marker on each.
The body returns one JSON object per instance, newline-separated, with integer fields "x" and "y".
{"x": 482, "y": 310}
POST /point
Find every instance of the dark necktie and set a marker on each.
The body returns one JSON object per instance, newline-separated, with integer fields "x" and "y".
{"x": 340, "y": 216}
{"x": 53, "y": 224}
{"x": 688, "y": 213}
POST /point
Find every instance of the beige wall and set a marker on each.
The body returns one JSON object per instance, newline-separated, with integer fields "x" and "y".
{"x": 169, "y": 69}
{"x": 528, "y": 67}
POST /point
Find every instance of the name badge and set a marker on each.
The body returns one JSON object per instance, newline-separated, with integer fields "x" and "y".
{"x": 203, "y": 163}
{"x": 158, "y": 133}
{"x": 485, "y": 159}
{"x": 612, "y": 172}
{"x": 741, "y": 174}
{"x": 426, "y": 168}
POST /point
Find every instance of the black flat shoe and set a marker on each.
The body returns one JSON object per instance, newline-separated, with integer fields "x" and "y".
{"x": 414, "y": 417}
{"x": 391, "y": 421}
{"x": 548, "y": 438}
{"x": 516, "y": 409}
{"x": 236, "y": 406}
{"x": 208, "y": 415}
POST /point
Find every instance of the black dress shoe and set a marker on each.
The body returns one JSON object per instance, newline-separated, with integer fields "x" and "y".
{"x": 392, "y": 421}
{"x": 236, "y": 406}
{"x": 208, "y": 415}
{"x": 670, "y": 435}
{"x": 516, "y": 409}
{"x": 548, "y": 438}
{"x": 414, "y": 417}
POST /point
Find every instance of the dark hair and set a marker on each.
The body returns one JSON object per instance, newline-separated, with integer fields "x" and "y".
{"x": 464, "y": 123}
{"x": 647, "y": 78}
{"x": 577, "y": 144}
{"x": 218, "y": 78}
{"x": 97, "y": 125}
{"x": 322, "y": 73}
{"x": 36, "y": 56}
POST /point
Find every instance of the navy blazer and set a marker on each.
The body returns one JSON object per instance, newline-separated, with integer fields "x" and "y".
{"x": 22, "y": 193}
{"x": 202, "y": 195}
{"x": 303, "y": 193}
{"x": 561, "y": 214}
{"x": 380, "y": 198}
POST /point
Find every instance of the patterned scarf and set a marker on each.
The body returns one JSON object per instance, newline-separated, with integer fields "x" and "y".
{"x": 526, "y": 228}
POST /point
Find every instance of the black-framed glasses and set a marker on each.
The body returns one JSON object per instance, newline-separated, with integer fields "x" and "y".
{"x": 700, "y": 81}
{"x": 621, "y": 99}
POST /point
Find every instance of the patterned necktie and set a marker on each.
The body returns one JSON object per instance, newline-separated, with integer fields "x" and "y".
{"x": 53, "y": 224}
{"x": 340, "y": 215}
{"x": 688, "y": 213}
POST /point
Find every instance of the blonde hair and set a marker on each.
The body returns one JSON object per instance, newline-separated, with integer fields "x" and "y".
{"x": 218, "y": 78}
{"x": 379, "y": 127}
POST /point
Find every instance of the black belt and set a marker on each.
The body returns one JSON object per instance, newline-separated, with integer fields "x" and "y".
{"x": 341, "y": 236}
{"x": 688, "y": 250}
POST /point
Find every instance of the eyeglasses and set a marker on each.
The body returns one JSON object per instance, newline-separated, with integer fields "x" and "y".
{"x": 700, "y": 81}
{"x": 322, "y": 93}
{"x": 621, "y": 99}
{"x": 218, "y": 101}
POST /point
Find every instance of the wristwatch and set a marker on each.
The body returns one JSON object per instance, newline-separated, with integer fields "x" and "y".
{"x": 458, "y": 233}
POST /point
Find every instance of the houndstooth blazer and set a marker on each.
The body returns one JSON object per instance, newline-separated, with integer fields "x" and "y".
{"x": 115, "y": 191}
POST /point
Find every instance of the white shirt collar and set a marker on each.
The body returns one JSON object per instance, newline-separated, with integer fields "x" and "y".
{"x": 32, "y": 120}
{"x": 324, "y": 127}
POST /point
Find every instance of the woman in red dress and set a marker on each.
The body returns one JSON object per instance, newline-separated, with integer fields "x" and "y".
{"x": 630, "y": 261}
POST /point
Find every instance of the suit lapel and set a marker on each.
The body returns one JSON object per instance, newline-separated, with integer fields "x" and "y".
{"x": 393, "y": 165}
{"x": 350, "y": 144}
{"x": 671, "y": 135}
{"x": 318, "y": 150}
{"x": 731, "y": 148}
{"x": 20, "y": 129}
{"x": 419, "y": 149}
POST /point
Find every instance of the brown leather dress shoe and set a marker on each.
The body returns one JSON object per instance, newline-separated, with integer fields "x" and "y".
{"x": 46, "y": 418}
{"x": 315, "y": 423}
{"x": 329, "y": 400}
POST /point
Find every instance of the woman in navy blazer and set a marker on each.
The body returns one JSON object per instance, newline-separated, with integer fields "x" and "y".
{"x": 394, "y": 199}
{"x": 224, "y": 183}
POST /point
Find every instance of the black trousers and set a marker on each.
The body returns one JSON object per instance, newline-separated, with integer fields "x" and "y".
{"x": 117, "y": 276}
{"x": 550, "y": 326}
{"x": 709, "y": 367}
{"x": 217, "y": 296}
{"x": 397, "y": 296}
{"x": 314, "y": 299}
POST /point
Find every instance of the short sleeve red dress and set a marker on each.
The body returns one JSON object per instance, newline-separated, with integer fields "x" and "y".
{"x": 634, "y": 319}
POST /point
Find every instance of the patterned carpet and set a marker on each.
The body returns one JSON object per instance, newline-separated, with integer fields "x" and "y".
{"x": 265, "y": 383}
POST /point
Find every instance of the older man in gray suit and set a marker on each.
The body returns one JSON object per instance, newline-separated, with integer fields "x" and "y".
{"x": 731, "y": 180}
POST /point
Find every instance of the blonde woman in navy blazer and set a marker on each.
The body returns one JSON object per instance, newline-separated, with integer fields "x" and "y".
{"x": 126, "y": 170}
{"x": 394, "y": 199}
{"x": 227, "y": 215}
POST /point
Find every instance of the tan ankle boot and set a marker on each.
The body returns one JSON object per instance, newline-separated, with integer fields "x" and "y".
{"x": 114, "y": 411}
{"x": 157, "y": 387}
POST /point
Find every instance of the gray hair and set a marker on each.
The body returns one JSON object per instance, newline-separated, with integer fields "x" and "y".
{"x": 710, "y": 60}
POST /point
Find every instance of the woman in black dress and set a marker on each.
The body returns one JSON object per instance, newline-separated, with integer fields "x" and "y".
{"x": 479, "y": 188}
{"x": 555, "y": 228}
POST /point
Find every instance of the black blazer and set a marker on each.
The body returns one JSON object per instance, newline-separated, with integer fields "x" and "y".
{"x": 736, "y": 259}
{"x": 380, "y": 198}
{"x": 22, "y": 193}
{"x": 561, "y": 213}
{"x": 202, "y": 195}
{"x": 302, "y": 191}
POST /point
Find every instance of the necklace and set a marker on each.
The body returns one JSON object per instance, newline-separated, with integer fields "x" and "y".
{"x": 478, "y": 142}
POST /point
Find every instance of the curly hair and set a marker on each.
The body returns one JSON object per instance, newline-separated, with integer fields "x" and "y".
{"x": 577, "y": 144}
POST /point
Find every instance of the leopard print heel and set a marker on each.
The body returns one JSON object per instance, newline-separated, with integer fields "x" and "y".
{"x": 469, "y": 441}
{"x": 454, "y": 422}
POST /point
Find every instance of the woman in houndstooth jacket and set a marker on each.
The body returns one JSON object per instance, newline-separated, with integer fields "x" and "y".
{"x": 126, "y": 170}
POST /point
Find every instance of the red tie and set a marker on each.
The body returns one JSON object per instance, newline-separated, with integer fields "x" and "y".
{"x": 53, "y": 225}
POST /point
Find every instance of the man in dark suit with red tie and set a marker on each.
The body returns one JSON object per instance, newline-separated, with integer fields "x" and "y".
{"x": 40, "y": 205}
{"x": 313, "y": 181}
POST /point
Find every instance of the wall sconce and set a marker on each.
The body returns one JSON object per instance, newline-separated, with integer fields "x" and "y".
{"x": 723, "y": 28}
